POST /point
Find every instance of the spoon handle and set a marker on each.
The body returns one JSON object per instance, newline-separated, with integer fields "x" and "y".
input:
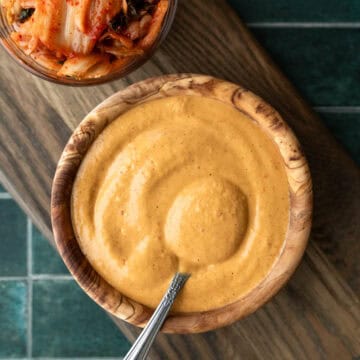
{"x": 142, "y": 345}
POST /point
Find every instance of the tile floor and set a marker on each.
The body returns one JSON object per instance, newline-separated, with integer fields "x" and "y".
{"x": 44, "y": 314}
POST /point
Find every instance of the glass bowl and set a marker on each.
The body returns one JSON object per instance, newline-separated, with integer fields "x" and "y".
{"x": 35, "y": 68}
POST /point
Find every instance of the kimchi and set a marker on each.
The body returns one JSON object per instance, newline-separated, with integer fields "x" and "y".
{"x": 85, "y": 38}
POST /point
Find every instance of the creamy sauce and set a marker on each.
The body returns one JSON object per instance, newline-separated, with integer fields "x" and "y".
{"x": 182, "y": 183}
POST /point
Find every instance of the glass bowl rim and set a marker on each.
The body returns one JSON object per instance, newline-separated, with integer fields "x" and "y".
{"x": 30, "y": 65}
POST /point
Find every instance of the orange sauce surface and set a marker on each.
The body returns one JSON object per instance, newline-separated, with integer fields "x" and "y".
{"x": 182, "y": 183}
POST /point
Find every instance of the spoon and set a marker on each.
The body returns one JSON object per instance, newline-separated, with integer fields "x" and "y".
{"x": 142, "y": 345}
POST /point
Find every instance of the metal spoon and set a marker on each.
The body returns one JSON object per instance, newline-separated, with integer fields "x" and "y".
{"x": 142, "y": 345}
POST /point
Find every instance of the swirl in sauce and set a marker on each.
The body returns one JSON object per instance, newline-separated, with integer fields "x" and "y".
{"x": 182, "y": 183}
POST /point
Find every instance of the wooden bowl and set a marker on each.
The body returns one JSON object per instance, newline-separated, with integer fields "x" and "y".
{"x": 300, "y": 191}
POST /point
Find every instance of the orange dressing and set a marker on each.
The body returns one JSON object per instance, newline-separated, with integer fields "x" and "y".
{"x": 182, "y": 183}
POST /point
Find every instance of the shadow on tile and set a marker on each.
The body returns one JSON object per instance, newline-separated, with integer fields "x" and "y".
{"x": 45, "y": 258}
{"x": 67, "y": 323}
{"x": 13, "y": 318}
{"x": 13, "y": 239}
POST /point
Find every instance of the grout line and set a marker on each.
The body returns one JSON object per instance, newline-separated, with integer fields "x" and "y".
{"x": 4, "y": 196}
{"x": 29, "y": 244}
{"x": 35, "y": 278}
{"x": 338, "y": 109}
{"x": 305, "y": 25}
{"x": 77, "y": 358}
{"x": 51, "y": 277}
{"x": 67, "y": 358}
{"x": 30, "y": 287}
{"x": 13, "y": 278}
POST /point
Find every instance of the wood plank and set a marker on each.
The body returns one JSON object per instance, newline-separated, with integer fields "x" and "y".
{"x": 316, "y": 316}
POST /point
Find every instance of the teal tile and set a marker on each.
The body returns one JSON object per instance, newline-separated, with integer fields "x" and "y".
{"x": 13, "y": 319}
{"x": 67, "y": 323}
{"x": 2, "y": 189}
{"x": 295, "y": 10}
{"x": 13, "y": 239}
{"x": 46, "y": 260}
{"x": 323, "y": 63}
{"x": 346, "y": 128}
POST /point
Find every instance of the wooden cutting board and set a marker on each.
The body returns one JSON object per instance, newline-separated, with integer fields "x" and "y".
{"x": 317, "y": 316}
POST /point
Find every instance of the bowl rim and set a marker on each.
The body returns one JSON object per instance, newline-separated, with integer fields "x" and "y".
{"x": 300, "y": 195}
{"x": 33, "y": 67}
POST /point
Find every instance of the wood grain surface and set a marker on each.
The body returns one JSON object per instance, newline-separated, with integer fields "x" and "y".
{"x": 316, "y": 316}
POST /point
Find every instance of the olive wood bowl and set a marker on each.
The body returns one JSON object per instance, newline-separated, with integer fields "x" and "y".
{"x": 300, "y": 193}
